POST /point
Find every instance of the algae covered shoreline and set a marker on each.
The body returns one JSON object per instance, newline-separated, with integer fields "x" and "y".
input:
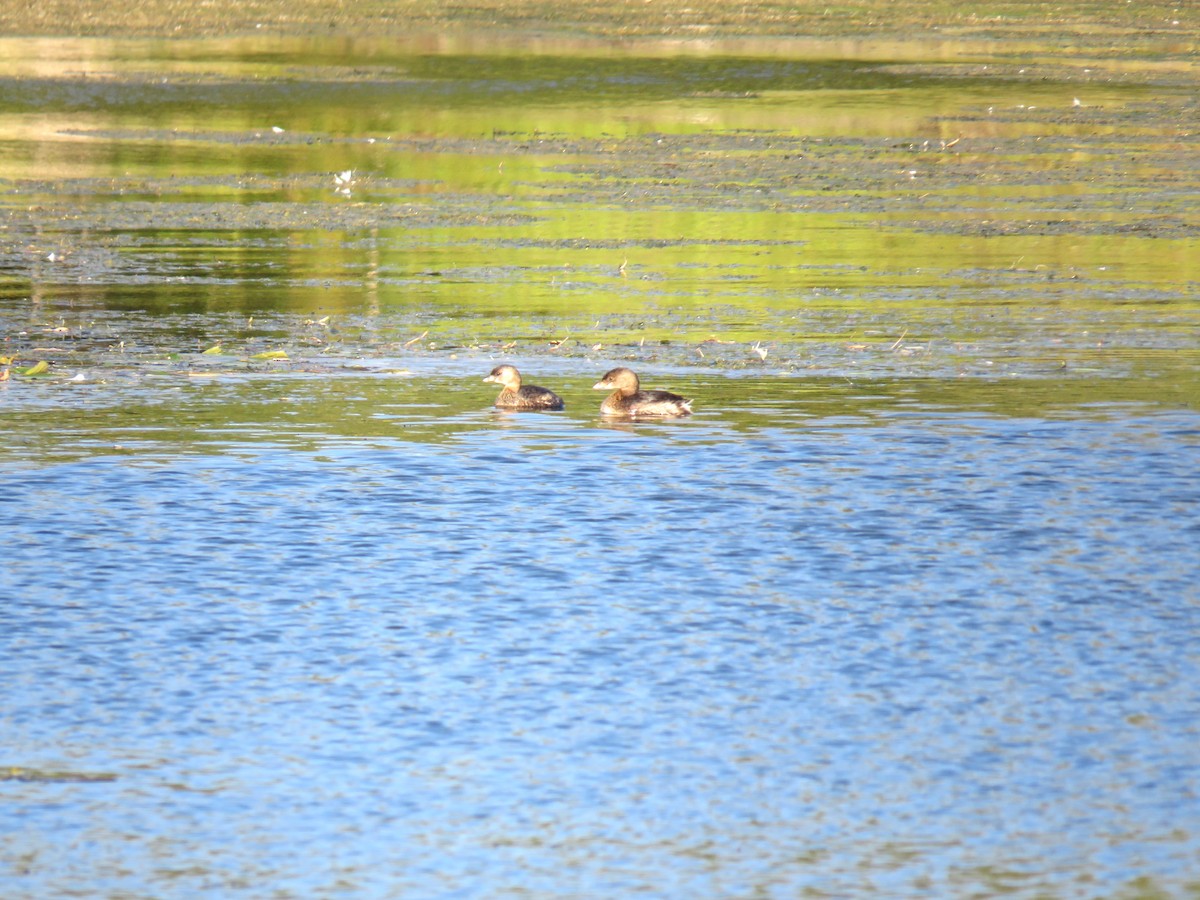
{"x": 1115, "y": 25}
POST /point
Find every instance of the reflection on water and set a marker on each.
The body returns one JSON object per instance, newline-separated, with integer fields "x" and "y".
{"x": 907, "y": 608}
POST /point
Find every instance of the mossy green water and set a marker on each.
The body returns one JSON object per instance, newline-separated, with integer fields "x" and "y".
{"x": 732, "y": 210}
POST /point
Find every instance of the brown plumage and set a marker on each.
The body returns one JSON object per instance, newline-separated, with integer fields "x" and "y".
{"x": 518, "y": 396}
{"x": 627, "y": 399}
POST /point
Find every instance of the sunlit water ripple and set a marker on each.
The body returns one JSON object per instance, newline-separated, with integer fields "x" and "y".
{"x": 933, "y": 656}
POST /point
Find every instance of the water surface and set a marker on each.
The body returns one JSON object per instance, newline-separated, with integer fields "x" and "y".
{"x": 907, "y": 609}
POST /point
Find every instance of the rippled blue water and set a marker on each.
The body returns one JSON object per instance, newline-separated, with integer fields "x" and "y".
{"x": 923, "y": 656}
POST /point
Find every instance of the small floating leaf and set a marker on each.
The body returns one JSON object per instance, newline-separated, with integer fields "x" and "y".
{"x": 212, "y": 351}
{"x": 41, "y": 367}
{"x": 6, "y": 360}
{"x": 270, "y": 354}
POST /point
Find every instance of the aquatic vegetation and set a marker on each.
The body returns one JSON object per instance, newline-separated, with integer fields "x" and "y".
{"x": 52, "y": 776}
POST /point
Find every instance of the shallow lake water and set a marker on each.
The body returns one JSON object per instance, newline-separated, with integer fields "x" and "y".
{"x": 908, "y": 608}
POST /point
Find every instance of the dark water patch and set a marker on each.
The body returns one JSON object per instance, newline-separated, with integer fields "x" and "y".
{"x": 267, "y": 217}
{"x": 461, "y": 79}
{"x": 1103, "y": 69}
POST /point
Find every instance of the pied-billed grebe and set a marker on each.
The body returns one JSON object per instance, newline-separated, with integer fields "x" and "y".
{"x": 518, "y": 396}
{"x": 627, "y": 400}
